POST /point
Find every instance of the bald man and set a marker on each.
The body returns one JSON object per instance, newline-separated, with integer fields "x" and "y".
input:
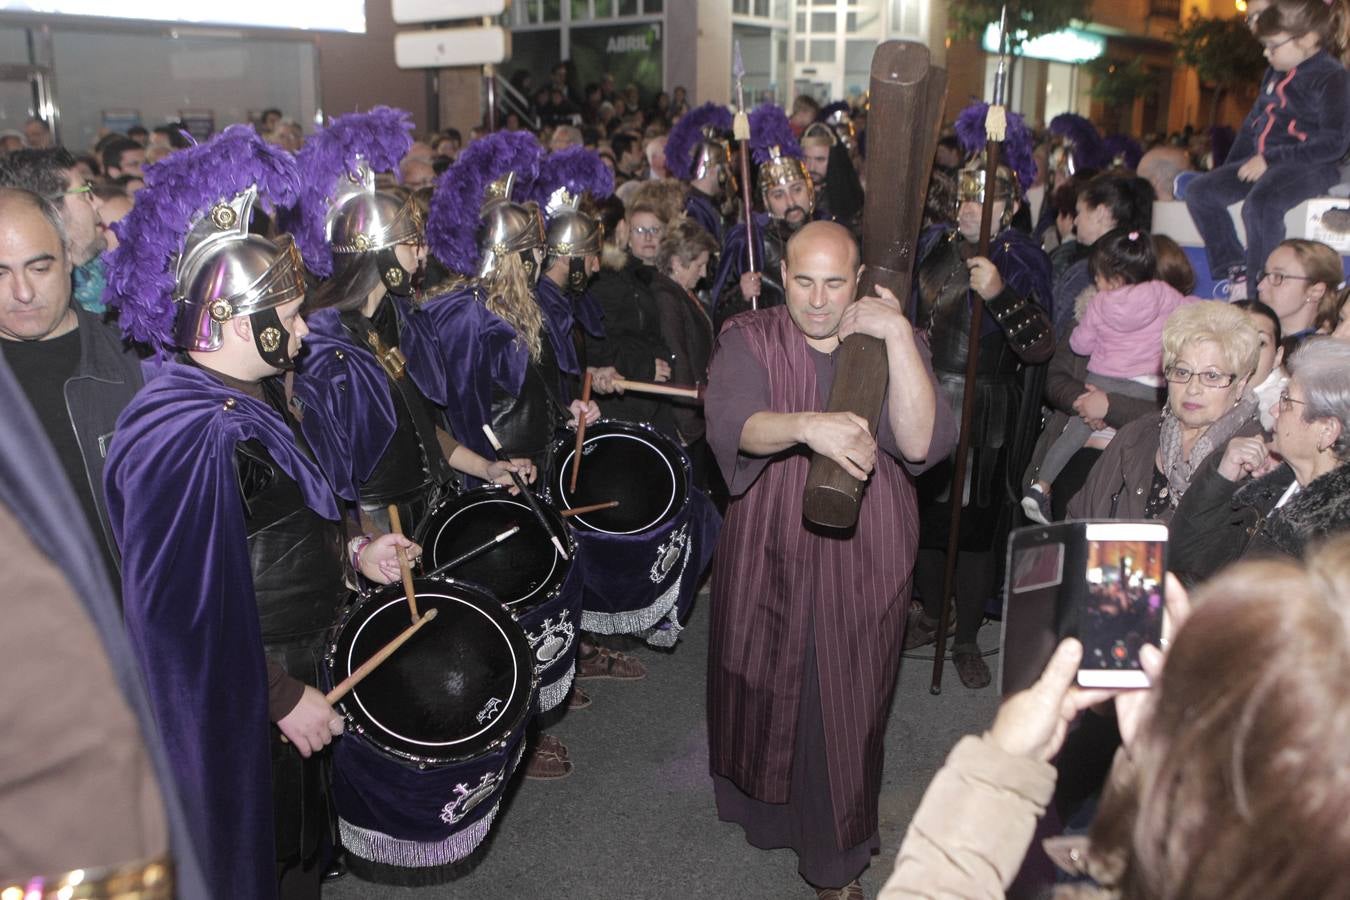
{"x": 807, "y": 622}
{"x": 1161, "y": 166}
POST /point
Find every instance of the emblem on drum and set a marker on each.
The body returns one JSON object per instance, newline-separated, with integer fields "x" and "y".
{"x": 551, "y": 639}
{"x": 489, "y": 710}
{"x": 669, "y": 553}
{"x": 466, "y": 797}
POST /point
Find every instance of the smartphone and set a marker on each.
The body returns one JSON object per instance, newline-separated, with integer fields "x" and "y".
{"x": 1101, "y": 582}
{"x": 1122, "y": 609}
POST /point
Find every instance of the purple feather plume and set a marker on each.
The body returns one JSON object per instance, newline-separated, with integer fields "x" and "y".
{"x": 1124, "y": 147}
{"x": 769, "y": 128}
{"x": 579, "y": 170}
{"x": 1017, "y": 141}
{"x": 380, "y": 137}
{"x": 452, "y": 224}
{"x": 178, "y": 190}
{"x": 687, "y": 133}
{"x": 1086, "y": 140}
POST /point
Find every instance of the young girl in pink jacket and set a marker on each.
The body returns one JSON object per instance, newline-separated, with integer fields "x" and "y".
{"x": 1121, "y": 335}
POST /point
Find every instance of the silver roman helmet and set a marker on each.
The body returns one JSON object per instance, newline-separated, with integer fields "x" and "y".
{"x": 572, "y": 235}
{"x": 224, "y": 272}
{"x": 363, "y": 219}
{"x": 509, "y": 227}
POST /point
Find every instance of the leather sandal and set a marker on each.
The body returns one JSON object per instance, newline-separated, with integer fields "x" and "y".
{"x": 550, "y": 744}
{"x": 544, "y": 765}
{"x": 578, "y": 699}
{"x": 607, "y": 663}
{"x": 851, "y": 891}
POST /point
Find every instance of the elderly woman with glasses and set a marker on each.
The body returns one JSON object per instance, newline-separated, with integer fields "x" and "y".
{"x": 1259, "y": 499}
{"x": 1210, "y": 351}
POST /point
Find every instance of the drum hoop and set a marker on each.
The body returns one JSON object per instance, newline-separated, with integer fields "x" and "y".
{"x": 383, "y": 728}
{"x": 564, "y": 467}
{"x": 553, "y": 568}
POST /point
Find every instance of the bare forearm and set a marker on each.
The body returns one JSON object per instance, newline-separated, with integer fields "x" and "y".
{"x": 911, "y": 399}
{"x": 766, "y": 433}
{"x": 470, "y": 463}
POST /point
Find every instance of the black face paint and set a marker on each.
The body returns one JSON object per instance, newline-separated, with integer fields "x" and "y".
{"x": 396, "y": 279}
{"x": 271, "y": 339}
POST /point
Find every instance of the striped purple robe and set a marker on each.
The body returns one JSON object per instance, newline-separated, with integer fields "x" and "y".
{"x": 774, "y": 577}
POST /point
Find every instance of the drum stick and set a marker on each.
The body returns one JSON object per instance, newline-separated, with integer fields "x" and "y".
{"x": 470, "y": 554}
{"x": 345, "y": 685}
{"x": 404, "y": 566}
{"x": 581, "y": 432}
{"x": 668, "y": 390}
{"x": 594, "y": 507}
{"x": 525, "y": 492}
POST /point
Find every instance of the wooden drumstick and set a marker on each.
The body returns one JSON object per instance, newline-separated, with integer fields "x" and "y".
{"x": 396, "y": 527}
{"x": 669, "y": 390}
{"x": 525, "y": 492}
{"x": 581, "y": 432}
{"x": 594, "y": 507}
{"x": 345, "y": 686}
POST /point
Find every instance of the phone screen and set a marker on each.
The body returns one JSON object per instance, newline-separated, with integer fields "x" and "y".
{"x": 1123, "y": 606}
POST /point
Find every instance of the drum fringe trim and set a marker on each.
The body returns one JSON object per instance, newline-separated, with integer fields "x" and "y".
{"x": 550, "y": 695}
{"x": 382, "y": 848}
{"x": 645, "y": 622}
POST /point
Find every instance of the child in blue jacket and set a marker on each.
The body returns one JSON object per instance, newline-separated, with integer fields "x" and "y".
{"x": 1290, "y": 144}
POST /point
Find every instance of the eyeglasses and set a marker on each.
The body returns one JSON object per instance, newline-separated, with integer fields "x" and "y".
{"x": 1271, "y": 48}
{"x": 86, "y": 189}
{"x": 1287, "y": 402}
{"x": 1209, "y": 378}
{"x": 645, "y": 230}
{"x": 1279, "y": 278}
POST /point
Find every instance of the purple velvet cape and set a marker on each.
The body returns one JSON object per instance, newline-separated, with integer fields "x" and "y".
{"x": 187, "y": 583}
{"x": 561, "y": 312}
{"x": 1023, "y": 265}
{"x": 327, "y": 337}
{"x": 699, "y": 208}
{"x": 733, "y": 264}
{"x": 35, "y": 490}
{"x": 478, "y": 349}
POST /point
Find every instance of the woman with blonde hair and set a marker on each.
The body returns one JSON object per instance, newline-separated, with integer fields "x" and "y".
{"x": 1210, "y": 352}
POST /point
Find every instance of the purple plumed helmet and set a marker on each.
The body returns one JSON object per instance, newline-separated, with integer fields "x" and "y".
{"x": 453, "y": 222}
{"x": 1083, "y": 140}
{"x": 1017, "y": 141}
{"x": 353, "y": 145}
{"x": 684, "y": 148}
{"x": 577, "y": 169}
{"x": 1122, "y": 151}
{"x": 771, "y": 135}
{"x": 180, "y": 192}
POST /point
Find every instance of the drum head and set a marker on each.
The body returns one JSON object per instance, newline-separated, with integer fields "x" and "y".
{"x": 642, "y": 469}
{"x": 521, "y": 571}
{"x": 458, "y": 686}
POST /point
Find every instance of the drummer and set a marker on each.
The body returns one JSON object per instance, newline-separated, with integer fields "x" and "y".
{"x": 369, "y": 247}
{"x": 492, "y": 328}
{"x": 235, "y": 557}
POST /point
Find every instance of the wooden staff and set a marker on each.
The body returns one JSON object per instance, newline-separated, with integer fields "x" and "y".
{"x": 687, "y": 391}
{"x": 994, "y": 126}
{"x": 594, "y": 507}
{"x": 907, "y": 96}
{"x": 581, "y": 432}
{"x": 525, "y": 492}
{"x": 404, "y": 566}
{"x": 345, "y": 686}
{"x": 470, "y": 554}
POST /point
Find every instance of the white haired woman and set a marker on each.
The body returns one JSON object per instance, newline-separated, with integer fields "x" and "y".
{"x": 1210, "y": 351}
{"x": 1260, "y": 499}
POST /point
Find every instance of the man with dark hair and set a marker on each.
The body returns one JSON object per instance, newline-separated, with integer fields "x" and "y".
{"x": 123, "y": 157}
{"x": 52, "y": 174}
{"x": 75, "y": 370}
{"x": 628, "y": 157}
{"x": 268, "y": 121}
{"x": 170, "y": 136}
{"x": 140, "y": 134}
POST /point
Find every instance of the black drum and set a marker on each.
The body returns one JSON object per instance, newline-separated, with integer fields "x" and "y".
{"x": 433, "y": 734}
{"x": 641, "y": 560}
{"x": 525, "y": 572}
